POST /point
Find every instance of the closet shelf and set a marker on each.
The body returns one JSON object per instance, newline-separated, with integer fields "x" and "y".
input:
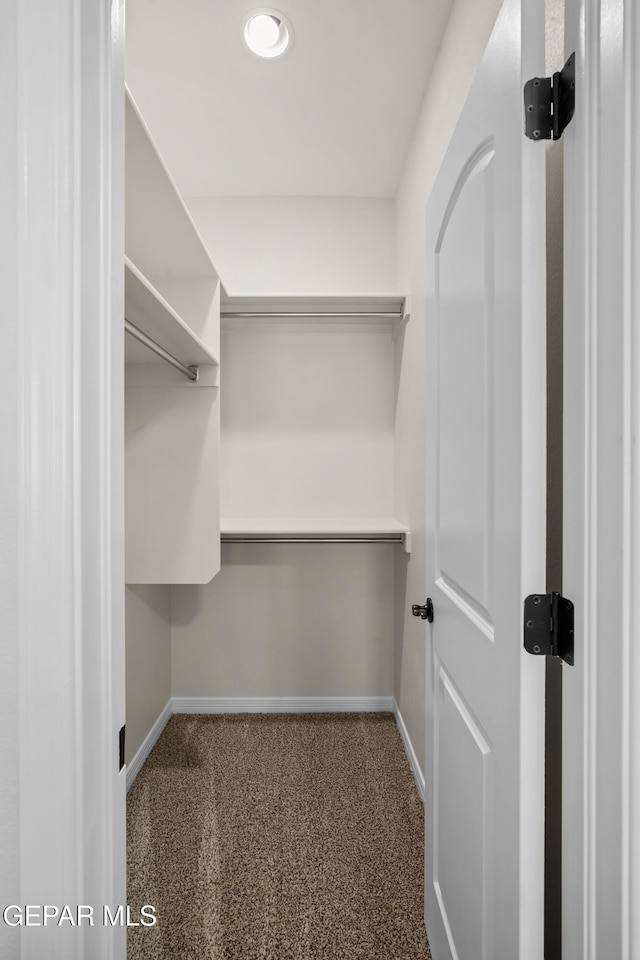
{"x": 147, "y": 309}
{"x": 391, "y": 309}
{"x": 314, "y": 529}
{"x": 172, "y": 424}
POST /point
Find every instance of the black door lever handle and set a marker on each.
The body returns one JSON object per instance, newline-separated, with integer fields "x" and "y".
{"x": 425, "y": 612}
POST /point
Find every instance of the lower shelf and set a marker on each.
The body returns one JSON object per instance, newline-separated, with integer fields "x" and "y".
{"x": 314, "y": 530}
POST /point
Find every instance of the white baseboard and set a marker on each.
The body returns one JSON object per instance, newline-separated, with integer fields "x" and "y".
{"x": 283, "y": 704}
{"x": 133, "y": 768}
{"x": 411, "y": 754}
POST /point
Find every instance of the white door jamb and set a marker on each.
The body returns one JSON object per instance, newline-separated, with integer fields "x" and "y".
{"x": 62, "y": 246}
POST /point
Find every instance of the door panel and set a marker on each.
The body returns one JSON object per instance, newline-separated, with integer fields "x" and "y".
{"x": 464, "y": 317}
{"x": 484, "y": 806}
{"x": 463, "y": 770}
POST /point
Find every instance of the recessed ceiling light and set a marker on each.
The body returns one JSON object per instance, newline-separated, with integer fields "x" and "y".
{"x": 267, "y": 33}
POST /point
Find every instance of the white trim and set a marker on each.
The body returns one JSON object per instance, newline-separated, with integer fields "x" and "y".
{"x": 63, "y": 250}
{"x": 149, "y": 742}
{"x": 631, "y": 744}
{"x": 411, "y": 754}
{"x": 282, "y": 704}
{"x": 533, "y": 500}
{"x": 601, "y": 820}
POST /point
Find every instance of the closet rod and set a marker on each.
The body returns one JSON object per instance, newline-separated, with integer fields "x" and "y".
{"x": 190, "y": 371}
{"x": 337, "y": 314}
{"x": 232, "y": 538}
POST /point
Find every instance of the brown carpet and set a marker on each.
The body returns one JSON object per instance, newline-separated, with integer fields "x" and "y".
{"x": 277, "y": 837}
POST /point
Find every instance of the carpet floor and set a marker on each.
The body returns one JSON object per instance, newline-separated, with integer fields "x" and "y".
{"x": 277, "y": 837}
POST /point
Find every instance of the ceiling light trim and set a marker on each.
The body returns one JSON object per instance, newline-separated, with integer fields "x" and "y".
{"x": 268, "y": 49}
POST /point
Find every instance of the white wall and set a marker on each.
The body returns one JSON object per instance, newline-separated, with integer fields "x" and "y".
{"x": 297, "y": 620}
{"x": 148, "y": 660}
{"x": 299, "y": 244}
{"x": 468, "y": 30}
{"x": 306, "y": 421}
{"x": 287, "y": 620}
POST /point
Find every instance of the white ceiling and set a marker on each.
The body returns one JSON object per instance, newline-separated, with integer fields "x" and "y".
{"x": 332, "y": 117}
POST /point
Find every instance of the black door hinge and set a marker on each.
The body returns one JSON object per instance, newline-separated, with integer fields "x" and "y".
{"x": 549, "y": 103}
{"x": 121, "y": 747}
{"x": 548, "y": 626}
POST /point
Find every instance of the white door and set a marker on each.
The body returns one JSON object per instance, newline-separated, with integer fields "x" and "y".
{"x": 484, "y": 805}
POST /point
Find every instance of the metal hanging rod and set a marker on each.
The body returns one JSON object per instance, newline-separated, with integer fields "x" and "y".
{"x": 190, "y": 371}
{"x": 336, "y": 314}
{"x": 233, "y": 538}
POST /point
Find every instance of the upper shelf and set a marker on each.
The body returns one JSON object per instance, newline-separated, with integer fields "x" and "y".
{"x": 391, "y": 309}
{"x": 150, "y": 312}
{"x": 172, "y": 289}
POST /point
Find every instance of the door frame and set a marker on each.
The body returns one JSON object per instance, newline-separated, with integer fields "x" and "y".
{"x": 62, "y": 498}
{"x": 601, "y": 530}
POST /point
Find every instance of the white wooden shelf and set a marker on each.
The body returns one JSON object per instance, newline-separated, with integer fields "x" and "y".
{"x": 320, "y": 529}
{"x": 387, "y": 309}
{"x": 165, "y": 255}
{"x": 147, "y": 309}
{"x": 172, "y": 424}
